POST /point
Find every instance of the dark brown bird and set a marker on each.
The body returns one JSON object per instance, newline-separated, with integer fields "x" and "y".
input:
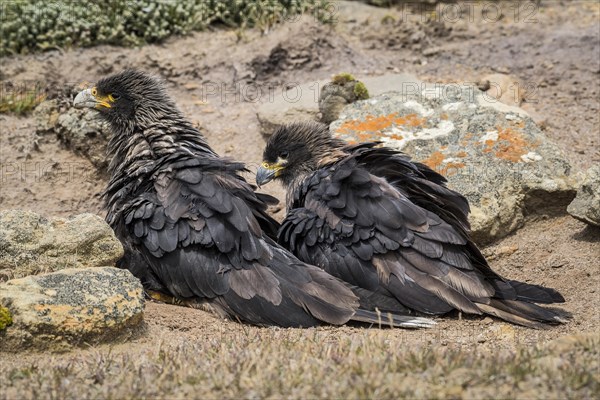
{"x": 193, "y": 228}
{"x": 370, "y": 216}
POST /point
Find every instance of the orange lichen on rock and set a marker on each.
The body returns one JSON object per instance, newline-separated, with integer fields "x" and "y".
{"x": 410, "y": 120}
{"x": 452, "y": 168}
{"x": 461, "y": 154}
{"x": 370, "y": 124}
{"x": 434, "y": 160}
{"x": 364, "y": 137}
{"x": 379, "y": 123}
{"x": 510, "y": 146}
{"x": 395, "y": 136}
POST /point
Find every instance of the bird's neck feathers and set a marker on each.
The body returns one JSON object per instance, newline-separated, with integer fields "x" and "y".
{"x": 139, "y": 149}
{"x": 155, "y": 133}
{"x": 322, "y": 155}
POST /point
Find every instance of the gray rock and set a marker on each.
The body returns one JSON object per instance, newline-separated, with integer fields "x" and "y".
{"x": 71, "y": 307}
{"x": 335, "y": 95}
{"x": 491, "y": 152}
{"x": 81, "y": 131}
{"x": 586, "y": 206}
{"x": 30, "y": 243}
{"x": 301, "y": 102}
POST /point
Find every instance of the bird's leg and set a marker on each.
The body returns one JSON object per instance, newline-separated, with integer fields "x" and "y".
{"x": 162, "y": 297}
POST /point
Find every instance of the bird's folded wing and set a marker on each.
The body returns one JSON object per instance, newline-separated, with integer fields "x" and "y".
{"x": 202, "y": 238}
{"x": 361, "y": 228}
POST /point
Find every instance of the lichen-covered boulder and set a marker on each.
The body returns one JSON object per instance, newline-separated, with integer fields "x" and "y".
{"x": 492, "y": 153}
{"x": 71, "y": 307}
{"x": 586, "y": 206}
{"x": 30, "y": 243}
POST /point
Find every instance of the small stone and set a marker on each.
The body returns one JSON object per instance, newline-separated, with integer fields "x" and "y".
{"x": 191, "y": 86}
{"x": 586, "y": 205}
{"x": 31, "y": 243}
{"x": 487, "y": 321}
{"x": 431, "y": 51}
{"x": 556, "y": 262}
{"x": 484, "y": 85}
{"x": 71, "y": 307}
{"x": 501, "y": 70}
{"x": 504, "y": 88}
{"x": 507, "y": 250}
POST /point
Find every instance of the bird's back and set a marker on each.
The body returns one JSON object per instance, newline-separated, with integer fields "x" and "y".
{"x": 385, "y": 224}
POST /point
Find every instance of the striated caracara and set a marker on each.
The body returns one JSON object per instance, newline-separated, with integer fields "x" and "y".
{"x": 370, "y": 216}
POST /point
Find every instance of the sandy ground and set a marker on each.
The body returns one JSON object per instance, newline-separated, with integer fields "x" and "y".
{"x": 556, "y": 56}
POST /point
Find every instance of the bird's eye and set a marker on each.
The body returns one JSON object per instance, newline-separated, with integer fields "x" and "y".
{"x": 284, "y": 155}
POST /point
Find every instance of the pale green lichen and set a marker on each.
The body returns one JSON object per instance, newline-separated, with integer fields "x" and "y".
{"x": 5, "y": 318}
{"x": 360, "y": 91}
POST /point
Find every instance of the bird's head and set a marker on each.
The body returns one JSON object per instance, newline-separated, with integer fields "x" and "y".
{"x": 127, "y": 99}
{"x": 295, "y": 150}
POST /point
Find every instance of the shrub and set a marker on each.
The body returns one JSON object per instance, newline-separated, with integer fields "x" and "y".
{"x": 32, "y": 25}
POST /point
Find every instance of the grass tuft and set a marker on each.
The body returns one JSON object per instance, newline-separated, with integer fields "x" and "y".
{"x": 5, "y": 318}
{"x": 20, "y": 103}
{"x": 343, "y": 77}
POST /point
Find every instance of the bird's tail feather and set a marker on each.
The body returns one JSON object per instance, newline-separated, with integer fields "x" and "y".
{"x": 536, "y": 293}
{"x": 523, "y": 313}
{"x": 392, "y": 320}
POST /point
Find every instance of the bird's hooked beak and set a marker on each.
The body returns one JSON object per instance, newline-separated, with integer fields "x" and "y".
{"x": 90, "y": 98}
{"x": 267, "y": 172}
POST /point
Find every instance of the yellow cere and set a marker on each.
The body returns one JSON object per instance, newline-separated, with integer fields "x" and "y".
{"x": 277, "y": 167}
{"x": 102, "y": 101}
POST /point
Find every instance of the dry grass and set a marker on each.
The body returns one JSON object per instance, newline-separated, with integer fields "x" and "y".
{"x": 316, "y": 363}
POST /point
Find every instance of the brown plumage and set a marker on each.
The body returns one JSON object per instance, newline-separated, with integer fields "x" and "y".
{"x": 193, "y": 228}
{"x": 373, "y": 218}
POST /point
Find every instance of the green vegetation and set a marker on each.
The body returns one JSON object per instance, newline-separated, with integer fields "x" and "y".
{"x": 342, "y": 77}
{"x": 32, "y": 25}
{"x": 5, "y": 318}
{"x": 360, "y": 91}
{"x": 19, "y": 103}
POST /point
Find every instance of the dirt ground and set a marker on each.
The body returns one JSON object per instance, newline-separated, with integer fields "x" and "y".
{"x": 554, "y": 53}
